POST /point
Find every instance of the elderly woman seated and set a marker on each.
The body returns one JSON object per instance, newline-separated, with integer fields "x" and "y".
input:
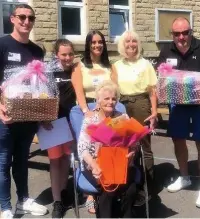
{"x": 107, "y": 95}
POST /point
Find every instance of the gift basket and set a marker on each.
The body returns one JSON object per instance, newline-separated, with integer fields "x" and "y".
{"x": 29, "y": 93}
{"x": 177, "y": 86}
{"x": 117, "y": 136}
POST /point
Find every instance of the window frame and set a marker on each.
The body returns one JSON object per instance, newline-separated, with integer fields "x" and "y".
{"x": 81, "y": 6}
{"x": 7, "y": 2}
{"x": 158, "y": 11}
{"x": 126, "y": 9}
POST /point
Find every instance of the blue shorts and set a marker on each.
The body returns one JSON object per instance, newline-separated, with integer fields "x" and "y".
{"x": 184, "y": 120}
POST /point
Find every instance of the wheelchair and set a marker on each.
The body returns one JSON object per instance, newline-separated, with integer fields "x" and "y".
{"x": 81, "y": 184}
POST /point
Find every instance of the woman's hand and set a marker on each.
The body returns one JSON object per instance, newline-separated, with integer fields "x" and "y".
{"x": 96, "y": 170}
{"x": 47, "y": 125}
{"x": 153, "y": 120}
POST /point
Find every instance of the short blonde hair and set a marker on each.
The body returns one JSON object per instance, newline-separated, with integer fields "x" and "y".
{"x": 121, "y": 48}
{"x": 107, "y": 86}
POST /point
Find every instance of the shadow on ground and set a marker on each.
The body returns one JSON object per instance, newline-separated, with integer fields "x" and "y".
{"x": 38, "y": 152}
{"x": 162, "y": 178}
{"x": 157, "y": 208}
{"x": 46, "y": 196}
{"x": 164, "y": 173}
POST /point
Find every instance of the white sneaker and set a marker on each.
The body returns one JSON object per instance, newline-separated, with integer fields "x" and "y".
{"x": 198, "y": 201}
{"x": 30, "y": 206}
{"x": 6, "y": 214}
{"x": 180, "y": 183}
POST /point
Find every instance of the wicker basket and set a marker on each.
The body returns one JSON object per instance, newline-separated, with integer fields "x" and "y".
{"x": 32, "y": 109}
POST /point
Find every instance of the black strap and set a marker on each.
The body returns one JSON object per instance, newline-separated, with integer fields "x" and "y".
{"x": 90, "y": 100}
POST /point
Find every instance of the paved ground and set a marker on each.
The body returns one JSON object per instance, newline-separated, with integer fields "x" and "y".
{"x": 166, "y": 205}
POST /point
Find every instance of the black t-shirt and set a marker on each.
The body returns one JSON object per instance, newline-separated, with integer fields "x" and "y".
{"x": 67, "y": 93}
{"x": 190, "y": 61}
{"x": 14, "y": 53}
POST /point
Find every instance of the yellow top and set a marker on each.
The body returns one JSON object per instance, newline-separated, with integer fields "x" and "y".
{"x": 92, "y": 77}
{"x": 135, "y": 77}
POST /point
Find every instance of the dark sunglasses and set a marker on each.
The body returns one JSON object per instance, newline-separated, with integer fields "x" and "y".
{"x": 184, "y": 33}
{"x": 23, "y": 17}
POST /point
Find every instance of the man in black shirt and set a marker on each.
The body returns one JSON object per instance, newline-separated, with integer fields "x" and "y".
{"x": 15, "y": 138}
{"x": 184, "y": 54}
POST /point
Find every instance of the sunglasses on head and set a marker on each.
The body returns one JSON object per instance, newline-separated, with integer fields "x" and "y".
{"x": 23, "y": 17}
{"x": 184, "y": 33}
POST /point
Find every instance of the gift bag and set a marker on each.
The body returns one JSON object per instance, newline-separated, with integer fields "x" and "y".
{"x": 113, "y": 163}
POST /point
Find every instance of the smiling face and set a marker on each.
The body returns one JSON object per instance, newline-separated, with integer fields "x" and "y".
{"x": 96, "y": 46}
{"x": 107, "y": 101}
{"x": 66, "y": 56}
{"x": 130, "y": 46}
{"x": 182, "y": 34}
{"x": 23, "y": 20}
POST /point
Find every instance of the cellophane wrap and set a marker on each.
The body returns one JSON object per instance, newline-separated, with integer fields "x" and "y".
{"x": 178, "y": 86}
{"x": 118, "y": 132}
{"x": 30, "y": 93}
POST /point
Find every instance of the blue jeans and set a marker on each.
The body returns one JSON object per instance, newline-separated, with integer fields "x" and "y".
{"x": 15, "y": 141}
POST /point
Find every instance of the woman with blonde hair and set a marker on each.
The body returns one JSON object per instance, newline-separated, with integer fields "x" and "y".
{"x": 137, "y": 82}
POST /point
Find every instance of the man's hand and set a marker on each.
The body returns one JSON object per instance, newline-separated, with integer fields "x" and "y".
{"x": 3, "y": 117}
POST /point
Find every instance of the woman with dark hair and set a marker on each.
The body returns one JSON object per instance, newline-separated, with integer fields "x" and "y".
{"x": 87, "y": 60}
{"x": 59, "y": 154}
{"x": 93, "y": 69}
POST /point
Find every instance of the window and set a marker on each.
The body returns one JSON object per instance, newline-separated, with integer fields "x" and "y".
{"x": 72, "y": 19}
{"x": 6, "y": 7}
{"x": 119, "y": 17}
{"x": 163, "y": 28}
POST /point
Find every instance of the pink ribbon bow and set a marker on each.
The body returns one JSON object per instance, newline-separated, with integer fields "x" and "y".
{"x": 36, "y": 68}
{"x": 165, "y": 68}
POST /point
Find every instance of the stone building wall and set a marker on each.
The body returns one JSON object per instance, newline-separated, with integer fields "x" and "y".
{"x": 45, "y": 31}
{"x": 98, "y": 18}
{"x": 143, "y": 19}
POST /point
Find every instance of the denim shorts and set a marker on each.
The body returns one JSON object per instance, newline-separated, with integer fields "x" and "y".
{"x": 184, "y": 122}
